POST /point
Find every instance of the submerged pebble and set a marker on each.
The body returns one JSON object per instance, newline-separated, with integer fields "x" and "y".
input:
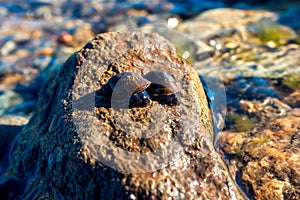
{"x": 251, "y": 88}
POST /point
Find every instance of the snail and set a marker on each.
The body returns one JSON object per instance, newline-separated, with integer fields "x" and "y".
{"x": 128, "y": 90}
{"x": 163, "y": 88}
{"x": 124, "y": 90}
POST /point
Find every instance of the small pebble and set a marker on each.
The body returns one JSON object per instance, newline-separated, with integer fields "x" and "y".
{"x": 204, "y": 55}
{"x": 65, "y": 38}
{"x": 231, "y": 45}
{"x": 47, "y": 51}
{"x": 7, "y": 48}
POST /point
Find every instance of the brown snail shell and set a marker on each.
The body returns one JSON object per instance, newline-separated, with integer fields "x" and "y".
{"x": 123, "y": 88}
{"x": 163, "y": 87}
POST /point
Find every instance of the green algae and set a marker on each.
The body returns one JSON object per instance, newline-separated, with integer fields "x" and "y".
{"x": 291, "y": 81}
{"x": 242, "y": 122}
{"x": 238, "y": 152}
{"x": 297, "y": 40}
{"x": 269, "y": 31}
{"x": 260, "y": 140}
{"x": 185, "y": 51}
{"x": 251, "y": 57}
{"x": 248, "y": 55}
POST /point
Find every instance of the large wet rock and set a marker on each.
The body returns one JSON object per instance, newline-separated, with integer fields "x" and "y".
{"x": 266, "y": 159}
{"x": 71, "y": 149}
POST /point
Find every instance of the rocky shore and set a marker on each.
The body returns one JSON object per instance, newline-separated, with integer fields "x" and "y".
{"x": 258, "y": 60}
{"x": 74, "y": 150}
{"x": 248, "y": 58}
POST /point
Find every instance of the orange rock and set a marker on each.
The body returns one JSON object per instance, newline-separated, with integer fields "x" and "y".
{"x": 65, "y": 38}
{"x": 47, "y": 51}
{"x": 267, "y": 158}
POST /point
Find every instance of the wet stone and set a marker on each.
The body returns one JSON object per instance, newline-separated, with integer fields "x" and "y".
{"x": 242, "y": 39}
{"x": 73, "y": 150}
{"x": 250, "y": 88}
{"x": 10, "y": 126}
{"x": 266, "y": 159}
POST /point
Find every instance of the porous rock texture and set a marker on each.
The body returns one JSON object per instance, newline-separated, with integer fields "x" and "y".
{"x": 72, "y": 150}
{"x": 265, "y": 160}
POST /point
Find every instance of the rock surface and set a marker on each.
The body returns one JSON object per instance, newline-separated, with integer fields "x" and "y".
{"x": 10, "y": 126}
{"x": 257, "y": 59}
{"x": 266, "y": 160}
{"x": 72, "y": 150}
{"x": 256, "y": 46}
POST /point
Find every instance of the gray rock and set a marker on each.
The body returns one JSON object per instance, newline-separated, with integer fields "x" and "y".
{"x": 10, "y": 126}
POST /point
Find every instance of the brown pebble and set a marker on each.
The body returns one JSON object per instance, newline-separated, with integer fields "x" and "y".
{"x": 47, "y": 51}
{"x": 296, "y": 112}
{"x": 65, "y": 38}
{"x": 11, "y": 79}
{"x": 134, "y": 12}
